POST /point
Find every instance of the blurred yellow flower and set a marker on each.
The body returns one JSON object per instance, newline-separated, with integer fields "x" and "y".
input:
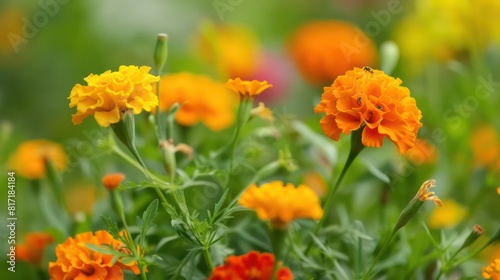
{"x": 422, "y": 152}
{"x": 263, "y": 112}
{"x": 370, "y": 100}
{"x": 11, "y": 32}
{"x": 29, "y": 160}
{"x": 281, "y": 204}
{"x": 447, "y": 217}
{"x": 447, "y": 29}
{"x": 76, "y": 261}
{"x": 108, "y": 95}
{"x": 498, "y": 190}
{"x": 322, "y": 50}
{"x": 492, "y": 271}
{"x": 485, "y": 143}
{"x": 201, "y": 100}
{"x": 233, "y": 48}
{"x": 32, "y": 250}
{"x": 80, "y": 198}
{"x": 247, "y": 88}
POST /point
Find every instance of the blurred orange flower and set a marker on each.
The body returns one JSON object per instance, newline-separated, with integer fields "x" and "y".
{"x": 325, "y": 49}
{"x": 29, "y": 160}
{"x": 252, "y": 265}
{"x": 447, "y": 217}
{"x": 492, "y": 271}
{"x": 422, "y": 152}
{"x": 201, "y": 100}
{"x": 282, "y": 203}
{"x": 316, "y": 182}
{"x": 76, "y": 261}
{"x": 33, "y": 248}
{"x": 112, "y": 180}
{"x": 108, "y": 95}
{"x": 11, "y": 29}
{"x": 371, "y": 100}
{"x": 80, "y": 198}
{"x": 247, "y": 88}
{"x": 485, "y": 143}
{"x": 233, "y": 48}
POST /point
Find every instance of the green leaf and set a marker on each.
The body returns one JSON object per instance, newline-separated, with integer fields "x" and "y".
{"x": 146, "y": 223}
{"x": 101, "y": 249}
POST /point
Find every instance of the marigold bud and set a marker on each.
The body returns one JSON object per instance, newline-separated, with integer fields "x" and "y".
{"x": 112, "y": 180}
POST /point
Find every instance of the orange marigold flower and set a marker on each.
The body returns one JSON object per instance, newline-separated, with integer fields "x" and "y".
{"x": 492, "y": 271}
{"x": 76, "y": 261}
{"x": 281, "y": 203}
{"x": 108, "y": 95}
{"x": 201, "y": 100}
{"x": 447, "y": 217}
{"x": 112, "y": 180}
{"x": 422, "y": 152}
{"x": 498, "y": 190}
{"x": 325, "y": 49}
{"x": 252, "y": 265}
{"x": 33, "y": 248}
{"x": 369, "y": 99}
{"x": 29, "y": 160}
{"x": 485, "y": 143}
{"x": 232, "y": 48}
{"x": 247, "y": 88}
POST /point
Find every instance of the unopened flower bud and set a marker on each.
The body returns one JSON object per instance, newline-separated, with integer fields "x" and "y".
{"x": 112, "y": 180}
{"x": 476, "y": 232}
{"x": 160, "y": 56}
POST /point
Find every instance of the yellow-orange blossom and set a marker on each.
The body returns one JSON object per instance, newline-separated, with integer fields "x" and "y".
{"x": 108, "y": 95}
{"x": 371, "y": 100}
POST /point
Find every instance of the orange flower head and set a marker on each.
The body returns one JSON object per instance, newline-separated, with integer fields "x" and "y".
{"x": 112, "y": 180}
{"x": 492, "y": 271}
{"x": 281, "y": 203}
{"x": 485, "y": 143}
{"x": 422, "y": 152}
{"x": 234, "y": 49}
{"x": 76, "y": 261}
{"x": 371, "y": 100}
{"x": 108, "y": 95}
{"x": 424, "y": 194}
{"x": 250, "y": 266}
{"x": 29, "y": 160}
{"x": 11, "y": 28}
{"x": 201, "y": 100}
{"x": 247, "y": 88}
{"x": 33, "y": 248}
{"x": 322, "y": 50}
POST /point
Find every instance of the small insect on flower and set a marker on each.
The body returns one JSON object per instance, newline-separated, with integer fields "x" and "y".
{"x": 368, "y": 69}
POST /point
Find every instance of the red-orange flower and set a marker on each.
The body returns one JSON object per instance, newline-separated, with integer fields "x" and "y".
{"x": 34, "y": 246}
{"x": 251, "y": 266}
{"x": 112, "y": 180}
{"x": 76, "y": 261}
{"x": 325, "y": 49}
{"x": 371, "y": 100}
{"x": 492, "y": 271}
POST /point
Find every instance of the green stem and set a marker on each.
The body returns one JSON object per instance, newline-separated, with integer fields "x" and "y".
{"x": 278, "y": 236}
{"x": 379, "y": 255}
{"x": 208, "y": 258}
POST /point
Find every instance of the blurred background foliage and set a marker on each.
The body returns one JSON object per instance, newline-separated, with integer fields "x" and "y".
{"x": 449, "y": 58}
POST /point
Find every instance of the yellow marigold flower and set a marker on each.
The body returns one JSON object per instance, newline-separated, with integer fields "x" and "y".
{"x": 33, "y": 248}
{"x": 262, "y": 111}
{"x": 325, "y": 49}
{"x": 485, "y": 143}
{"x": 492, "y": 271}
{"x": 201, "y": 100}
{"x": 112, "y": 180}
{"x": 422, "y": 153}
{"x": 29, "y": 160}
{"x": 108, "y": 95}
{"x": 76, "y": 261}
{"x": 447, "y": 217}
{"x": 233, "y": 48}
{"x": 281, "y": 203}
{"x": 369, "y": 99}
{"x": 247, "y": 88}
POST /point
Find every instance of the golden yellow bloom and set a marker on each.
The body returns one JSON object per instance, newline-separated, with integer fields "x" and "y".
{"x": 247, "y": 88}
{"x": 108, "y": 95}
{"x": 30, "y": 158}
{"x": 424, "y": 194}
{"x": 325, "y": 49}
{"x": 263, "y": 112}
{"x": 492, "y": 271}
{"x": 373, "y": 101}
{"x": 447, "y": 217}
{"x": 76, "y": 261}
{"x": 201, "y": 100}
{"x": 422, "y": 153}
{"x": 112, "y": 180}
{"x": 281, "y": 203}
{"x": 233, "y": 48}
{"x": 33, "y": 248}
